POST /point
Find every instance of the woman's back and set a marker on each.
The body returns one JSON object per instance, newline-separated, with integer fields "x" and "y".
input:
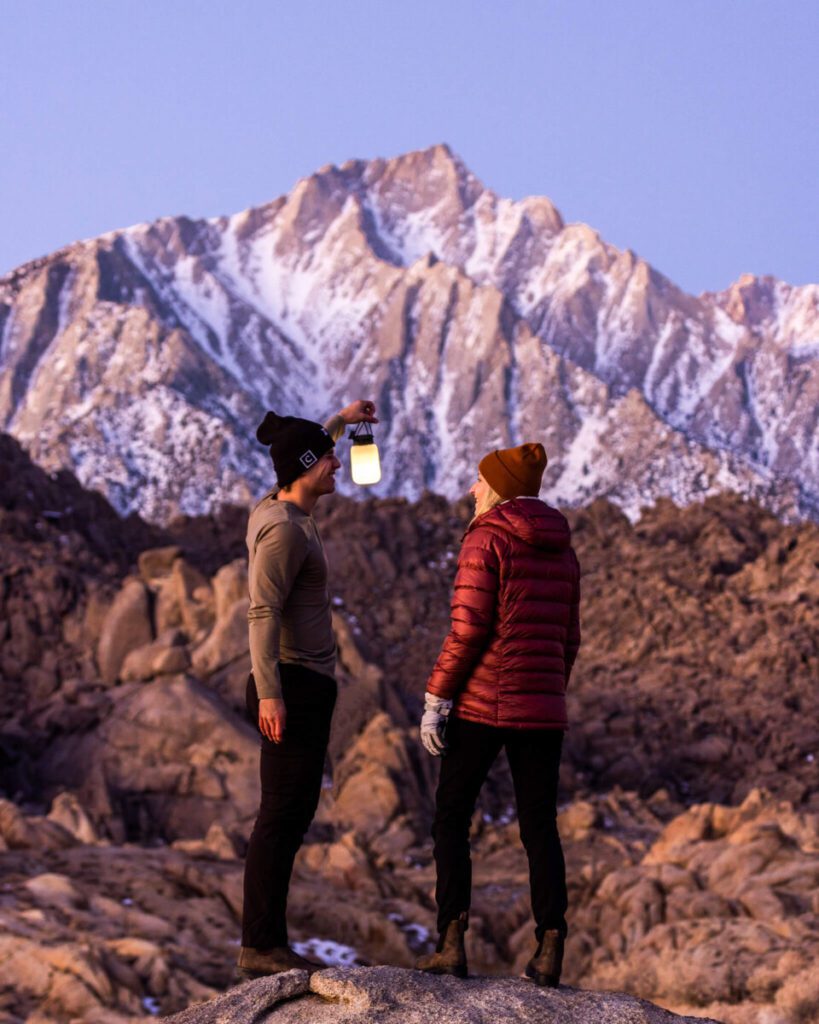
{"x": 515, "y": 619}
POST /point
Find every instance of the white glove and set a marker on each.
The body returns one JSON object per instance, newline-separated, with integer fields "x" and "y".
{"x": 433, "y": 723}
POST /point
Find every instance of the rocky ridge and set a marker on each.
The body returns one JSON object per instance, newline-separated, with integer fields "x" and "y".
{"x": 690, "y": 807}
{"x": 143, "y": 359}
{"x": 369, "y": 996}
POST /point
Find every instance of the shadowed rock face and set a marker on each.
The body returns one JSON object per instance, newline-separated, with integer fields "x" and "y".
{"x": 143, "y": 359}
{"x": 372, "y": 995}
{"x": 690, "y": 814}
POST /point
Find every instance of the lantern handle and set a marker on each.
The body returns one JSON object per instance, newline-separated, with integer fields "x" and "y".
{"x": 362, "y": 432}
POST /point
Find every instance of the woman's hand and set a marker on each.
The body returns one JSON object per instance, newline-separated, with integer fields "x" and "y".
{"x": 360, "y": 411}
{"x": 272, "y": 718}
{"x": 433, "y": 723}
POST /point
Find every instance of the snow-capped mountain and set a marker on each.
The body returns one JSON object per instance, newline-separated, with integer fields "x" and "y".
{"x": 144, "y": 359}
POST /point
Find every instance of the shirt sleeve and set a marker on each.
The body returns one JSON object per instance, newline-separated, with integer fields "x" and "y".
{"x": 335, "y": 427}
{"x": 474, "y": 605}
{"x": 280, "y": 554}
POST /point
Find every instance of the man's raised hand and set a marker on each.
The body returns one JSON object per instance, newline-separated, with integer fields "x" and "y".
{"x": 360, "y": 411}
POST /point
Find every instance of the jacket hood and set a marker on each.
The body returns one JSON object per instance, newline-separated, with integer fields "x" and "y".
{"x": 531, "y": 520}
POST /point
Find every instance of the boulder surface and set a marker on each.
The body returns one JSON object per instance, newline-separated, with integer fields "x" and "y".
{"x": 371, "y": 995}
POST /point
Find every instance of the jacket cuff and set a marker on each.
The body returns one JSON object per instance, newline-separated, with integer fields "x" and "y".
{"x": 440, "y": 692}
{"x": 440, "y": 705}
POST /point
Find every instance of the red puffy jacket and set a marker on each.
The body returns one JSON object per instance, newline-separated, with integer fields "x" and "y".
{"x": 515, "y": 627}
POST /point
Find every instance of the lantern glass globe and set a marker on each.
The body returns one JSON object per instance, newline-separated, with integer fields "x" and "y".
{"x": 365, "y": 463}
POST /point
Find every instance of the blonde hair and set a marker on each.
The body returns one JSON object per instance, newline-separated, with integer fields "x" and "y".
{"x": 490, "y": 500}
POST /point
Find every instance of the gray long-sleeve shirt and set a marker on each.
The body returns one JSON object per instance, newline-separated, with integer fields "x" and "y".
{"x": 289, "y": 619}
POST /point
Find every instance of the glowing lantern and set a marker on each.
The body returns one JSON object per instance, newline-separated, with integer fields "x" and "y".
{"x": 364, "y": 461}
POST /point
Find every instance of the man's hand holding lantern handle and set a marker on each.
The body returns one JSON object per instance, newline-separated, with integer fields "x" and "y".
{"x": 360, "y": 411}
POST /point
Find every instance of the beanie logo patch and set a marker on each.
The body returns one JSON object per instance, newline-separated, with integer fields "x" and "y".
{"x": 307, "y": 459}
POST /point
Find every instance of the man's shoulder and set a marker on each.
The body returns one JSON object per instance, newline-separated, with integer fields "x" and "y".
{"x": 281, "y": 519}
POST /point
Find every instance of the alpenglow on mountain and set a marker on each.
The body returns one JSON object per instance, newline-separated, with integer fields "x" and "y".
{"x": 143, "y": 359}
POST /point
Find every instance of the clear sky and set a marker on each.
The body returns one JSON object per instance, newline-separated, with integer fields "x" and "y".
{"x": 687, "y": 130}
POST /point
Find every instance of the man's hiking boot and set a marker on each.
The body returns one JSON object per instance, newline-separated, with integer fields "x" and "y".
{"x": 450, "y": 956}
{"x": 256, "y": 963}
{"x": 545, "y": 966}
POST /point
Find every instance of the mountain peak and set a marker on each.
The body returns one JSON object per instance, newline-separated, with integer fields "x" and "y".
{"x": 473, "y": 320}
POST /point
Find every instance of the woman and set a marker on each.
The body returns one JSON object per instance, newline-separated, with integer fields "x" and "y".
{"x": 500, "y": 681}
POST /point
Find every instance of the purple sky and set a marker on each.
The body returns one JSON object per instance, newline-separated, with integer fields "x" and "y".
{"x": 686, "y": 131}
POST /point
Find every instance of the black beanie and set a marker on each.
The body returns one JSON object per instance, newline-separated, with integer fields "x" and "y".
{"x": 295, "y": 445}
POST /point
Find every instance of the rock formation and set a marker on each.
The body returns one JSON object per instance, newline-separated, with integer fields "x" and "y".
{"x": 690, "y": 809}
{"x": 95, "y": 928}
{"x": 143, "y": 359}
{"x": 388, "y": 994}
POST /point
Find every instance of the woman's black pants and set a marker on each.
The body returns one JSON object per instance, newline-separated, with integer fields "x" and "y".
{"x": 291, "y": 774}
{"x": 534, "y": 759}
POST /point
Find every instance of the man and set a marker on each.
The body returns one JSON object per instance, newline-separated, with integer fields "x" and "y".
{"x": 291, "y": 691}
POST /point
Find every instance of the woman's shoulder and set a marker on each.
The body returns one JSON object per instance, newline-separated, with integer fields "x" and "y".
{"x": 487, "y": 535}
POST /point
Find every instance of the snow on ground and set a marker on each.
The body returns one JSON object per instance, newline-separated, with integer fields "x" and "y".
{"x": 580, "y": 465}
{"x": 418, "y": 937}
{"x": 493, "y": 223}
{"x": 418, "y": 232}
{"x": 804, "y": 350}
{"x": 333, "y": 954}
{"x": 713, "y": 355}
{"x": 659, "y": 355}
{"x": 64, "y": 303}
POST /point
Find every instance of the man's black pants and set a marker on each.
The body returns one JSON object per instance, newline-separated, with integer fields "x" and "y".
{"x": 534, "y": 758}
{"x": 291, "y": 774}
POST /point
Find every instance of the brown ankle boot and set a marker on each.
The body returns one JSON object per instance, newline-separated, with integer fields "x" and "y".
{"x": 450, "y": 957}
{"x": 255, "y": 963}
{"x": 545, "y": 966}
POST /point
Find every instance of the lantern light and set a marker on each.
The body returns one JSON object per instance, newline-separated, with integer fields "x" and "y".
{"x": 364, "y": 461}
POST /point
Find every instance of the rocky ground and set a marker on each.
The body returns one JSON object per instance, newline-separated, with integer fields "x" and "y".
{"x": 389, "y": 995}
{"x": 690, "y": 798}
